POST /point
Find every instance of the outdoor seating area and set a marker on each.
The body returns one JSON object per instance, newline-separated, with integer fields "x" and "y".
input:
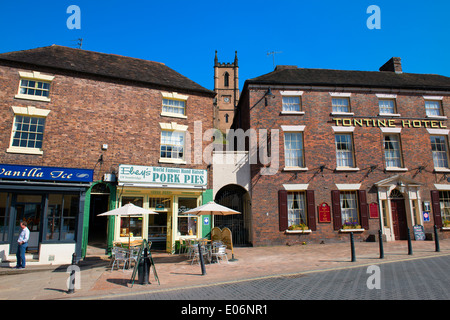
{"x": 125, "y": 254}
{"x": 212, "y": 251}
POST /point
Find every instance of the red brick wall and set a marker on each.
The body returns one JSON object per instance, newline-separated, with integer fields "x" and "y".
{"x": 319, "y": 149}
{"x": 87, "y": 112}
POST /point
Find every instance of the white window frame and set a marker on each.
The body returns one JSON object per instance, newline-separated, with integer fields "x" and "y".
{"x": 173, "y": 96}
{"x": 434, "y": 152}
{"x": 290, "y": 94}
{"x": 174, "y": 127}
{"x": 37, "y": 77}
{"x": 388, "y": 97}
{"x": 437, "y": 99}
{"x": 394, "y": 154}
{"x": 300, "y": 130}
{"x": 28, "y": 112}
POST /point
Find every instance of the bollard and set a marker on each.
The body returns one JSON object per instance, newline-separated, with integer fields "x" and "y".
{"x": 72, "y": 275}
{"x": 202, "y": 264}
{"x": 410, "y": 251}
{"x": 380, "y": 234}
{"x": 144, "y": 268}
{"x": 352, "y": 247}
{"x": 436, "y": 239}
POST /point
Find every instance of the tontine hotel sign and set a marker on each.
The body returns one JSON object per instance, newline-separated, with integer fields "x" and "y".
{"x": 389, "y": 123}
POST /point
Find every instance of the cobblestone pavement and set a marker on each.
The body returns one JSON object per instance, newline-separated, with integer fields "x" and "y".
{"x": 418, "y": 279}
{"x": 175, "y": 272}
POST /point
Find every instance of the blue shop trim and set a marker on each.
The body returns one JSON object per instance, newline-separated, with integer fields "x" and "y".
{"x": 19, "y": 172}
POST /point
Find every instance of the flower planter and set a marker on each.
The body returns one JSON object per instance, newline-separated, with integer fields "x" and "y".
{"x": 299, "y": 231}
{"x": 352, "y": 230}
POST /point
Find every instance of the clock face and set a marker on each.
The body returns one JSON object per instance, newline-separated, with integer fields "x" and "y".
{"x": 226, "y": 99}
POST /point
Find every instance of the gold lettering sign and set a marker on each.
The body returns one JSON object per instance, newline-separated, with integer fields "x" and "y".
{"x": 388, "y": 123}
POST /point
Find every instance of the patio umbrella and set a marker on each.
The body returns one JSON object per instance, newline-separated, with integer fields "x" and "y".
{"x": 212, "y": 208}
{"x": 128, "y": 210}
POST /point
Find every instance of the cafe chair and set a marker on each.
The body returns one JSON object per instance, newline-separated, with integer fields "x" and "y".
{"x": 220, "y": 253}
{"x": 195, "y": 254}
{"x": 118, "y": 256}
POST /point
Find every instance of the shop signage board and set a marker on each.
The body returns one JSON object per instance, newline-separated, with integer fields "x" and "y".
{"x": 373, "y": 210}
{"x": 20, "y": 172}
{"x": 162, "y": 175}
{"x": 324, "y": 212}
{"x": 419, "y": 233}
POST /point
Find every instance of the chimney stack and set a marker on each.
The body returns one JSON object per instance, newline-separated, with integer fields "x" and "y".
{"x": 393, "y": 65}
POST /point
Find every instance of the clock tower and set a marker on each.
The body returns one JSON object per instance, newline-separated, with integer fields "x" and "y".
{"x": 226, "y": 85}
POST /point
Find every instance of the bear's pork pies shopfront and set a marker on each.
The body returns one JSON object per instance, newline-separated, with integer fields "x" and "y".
{"x": 169, "y": 192}
{"x": 51, "y": 201}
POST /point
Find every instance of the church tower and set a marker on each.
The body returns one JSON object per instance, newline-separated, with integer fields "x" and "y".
{"x": 226, "y": 85}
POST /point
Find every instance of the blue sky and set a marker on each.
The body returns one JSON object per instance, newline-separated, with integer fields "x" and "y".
{"x": 185, "y": 34}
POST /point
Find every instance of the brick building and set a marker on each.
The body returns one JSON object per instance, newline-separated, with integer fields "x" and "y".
{"x": 361, "y": 150}
{"x": 77, "y": 128}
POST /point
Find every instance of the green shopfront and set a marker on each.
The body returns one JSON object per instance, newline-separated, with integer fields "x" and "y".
{"x": 169, "y": 192}
{"x": 51, "y": 200}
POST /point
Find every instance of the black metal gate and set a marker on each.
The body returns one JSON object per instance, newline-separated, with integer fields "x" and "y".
{"x": 233, "y": 197}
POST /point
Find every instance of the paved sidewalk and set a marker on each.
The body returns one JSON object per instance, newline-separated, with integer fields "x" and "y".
{"x": 175, "y": 271}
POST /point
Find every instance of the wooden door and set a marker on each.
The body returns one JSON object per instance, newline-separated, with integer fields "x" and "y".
{"x": 399, "y": 221}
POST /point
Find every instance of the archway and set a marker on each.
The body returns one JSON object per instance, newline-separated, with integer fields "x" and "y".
{"x": 237, "y": 198}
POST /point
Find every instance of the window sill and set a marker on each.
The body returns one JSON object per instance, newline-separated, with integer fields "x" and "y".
{"x": 351, "y": 230}
{"x": 295, "y": 169}
{"x": 292, "y": 113}
{"x": 346, "y": 169}
{"x": 437, "y": 117}
{"x": 350, "y": 114}
{"x": 389, "y": 115}
{"x": 299, "y": 231}
{"x": 173, "y": 115}
{"x": 24, "y": 150}
{"x": 441, "y": 170}
{"x": 34, "y": 98}
{"x": 445, "y": 228}
{"x": 391, "y": 169}
{"x": 175, "y": 161}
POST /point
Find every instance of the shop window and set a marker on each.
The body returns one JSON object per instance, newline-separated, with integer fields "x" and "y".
{"x": 4, "y": 215}
{"x": 62, "y": 217}
{"x": 187, "y": 224}
{"x": 131, "y": 226}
